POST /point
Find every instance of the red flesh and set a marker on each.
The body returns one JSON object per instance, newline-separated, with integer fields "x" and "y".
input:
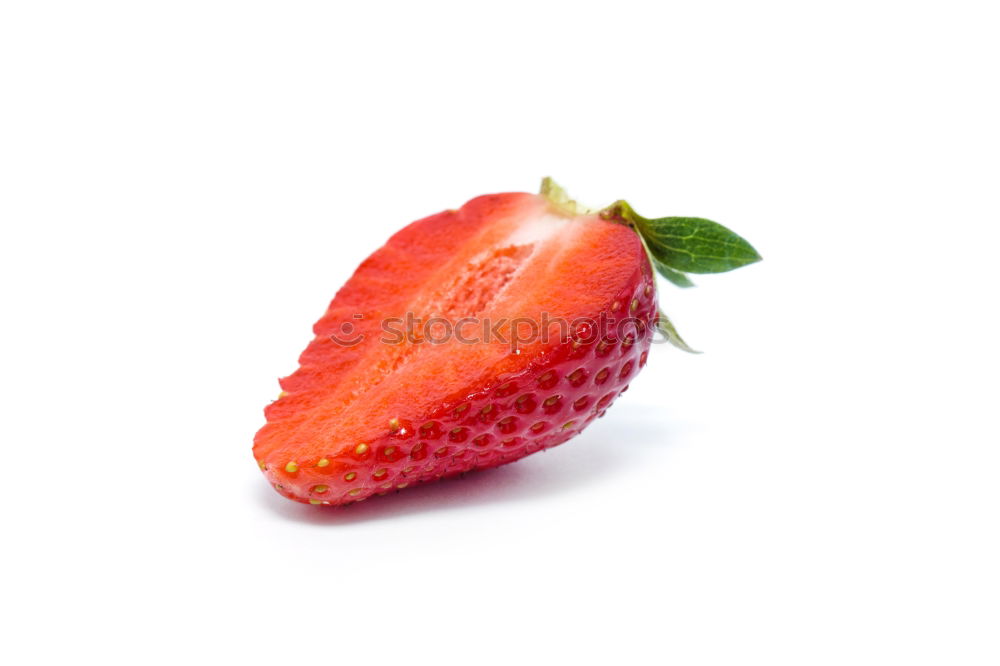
{"x": 426, "y": 411}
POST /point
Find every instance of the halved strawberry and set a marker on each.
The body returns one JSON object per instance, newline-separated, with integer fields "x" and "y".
{"x": 475, "y": 337}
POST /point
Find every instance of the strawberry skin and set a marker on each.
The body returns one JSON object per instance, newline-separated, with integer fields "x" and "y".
{"x": 363, "y": 420}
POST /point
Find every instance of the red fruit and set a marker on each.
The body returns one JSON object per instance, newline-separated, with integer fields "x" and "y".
{"x": 368, "y": 411}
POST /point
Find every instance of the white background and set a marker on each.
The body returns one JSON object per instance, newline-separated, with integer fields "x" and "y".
{"x": 184, "y": 186}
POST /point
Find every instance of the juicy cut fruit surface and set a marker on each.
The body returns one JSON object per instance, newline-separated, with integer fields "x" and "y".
{"x": 540, "y": 319}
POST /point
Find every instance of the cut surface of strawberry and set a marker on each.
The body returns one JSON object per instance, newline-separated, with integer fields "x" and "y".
{"x": 471, "y": 339}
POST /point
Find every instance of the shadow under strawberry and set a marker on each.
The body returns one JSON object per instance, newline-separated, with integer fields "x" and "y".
{"x": 604, "y": 452}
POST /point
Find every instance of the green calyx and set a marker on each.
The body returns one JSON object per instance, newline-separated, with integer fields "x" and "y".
{"x": 675, "y": 245}
{"x": 679, "y": 245}
{"x": 560, "y": 200}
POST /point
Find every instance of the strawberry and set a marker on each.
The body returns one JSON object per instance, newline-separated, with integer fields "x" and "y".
{"x": 478, "y": 336}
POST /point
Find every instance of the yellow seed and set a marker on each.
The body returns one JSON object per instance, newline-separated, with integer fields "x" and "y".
{"x": 350, "y": 476}
{"x": 568, "y": 425}
{"x": 616, "y": 305}
{"x": 282, "y": 394}
{"x": 355, "y": 492}
{"x": 323, "y": 462}
{"x": 649, "y": 289}
{"x": 262, "y": 464}
{"x": 361, "y": 449}
{"x": 408, "y": 470}
{"x": 380, "y": 473}
{"x": 393, "y": 424}
{"x": 390, "y": 450}
{"x": 634, "y": 305}
{"x": 320, "y": 489}
{"x": 292, "y": 467}
{"x": 402, "y": 485}
{"x": 315, "y": 502}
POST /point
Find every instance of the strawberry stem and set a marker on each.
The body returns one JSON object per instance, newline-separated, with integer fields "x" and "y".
{"x": 560, "y": 200}
{"x": 674, "y": 246}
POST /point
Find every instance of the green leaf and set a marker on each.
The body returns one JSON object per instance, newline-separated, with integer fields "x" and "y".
{"x": 679, "y": 245}
{"x": 668, "y": 331}
{"x": 694, "y": 244}
{"x": 675, "y": 277}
